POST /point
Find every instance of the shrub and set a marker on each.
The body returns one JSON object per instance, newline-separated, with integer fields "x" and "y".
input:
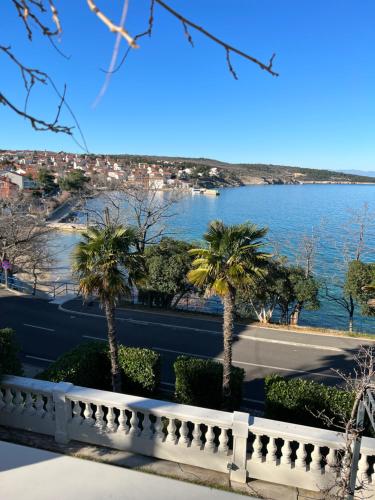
{"x": 10, "y": 363}
{"x": 298, "y": 400}
{"x": 88, "y": 365}
{"x": 140, "y": 370}
{"x": 199, "y": 383}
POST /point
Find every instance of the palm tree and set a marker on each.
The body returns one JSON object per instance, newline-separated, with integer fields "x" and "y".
{"x": 230, "y": 260}
{"x": 106, "y": 267}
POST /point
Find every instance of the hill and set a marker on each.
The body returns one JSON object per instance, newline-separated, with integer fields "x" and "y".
{"x": 256, "y": 173}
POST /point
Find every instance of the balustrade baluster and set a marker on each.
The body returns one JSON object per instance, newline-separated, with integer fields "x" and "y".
{"x": 316, "y": 457}
{"x": 99, "y": 417}
{"x": 257, "y": 454}
{"x": 122, "y": 421}
{"x": 171, "y": 436}
{"x": 363, "y": 468}
{"x": 8, "y": 398}
{"x": 77, "y": 419}
{"x": 18, "y": 402}
{"x": 50, "y": 408}
{"x": 134, "y": 429}
{"x": 159, "y": 434}
{"x": 331, "y": 459}
{"x": 271, "y": 449}
{"x": 148, "y": 431}
{"x": 197, "y": 435}
{"x": 223, "y": 440}
{"x": 39, "y": 405}
{"x": 286, "y": 453}
{"x": 87, "y": 413}
{"x": 2, "y": 402}
{"x": 210, "y": 437}
{"x": 184, "y": 437}
{"x": 301, "y": 455}
{"x": 29, "y": 404}
{"x": 111, "y": 420}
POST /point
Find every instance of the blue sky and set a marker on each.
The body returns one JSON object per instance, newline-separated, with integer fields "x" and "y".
{"x": 172, "y": 99}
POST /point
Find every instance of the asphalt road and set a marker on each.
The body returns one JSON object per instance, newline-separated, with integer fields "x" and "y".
{"x": 44, "y": 332}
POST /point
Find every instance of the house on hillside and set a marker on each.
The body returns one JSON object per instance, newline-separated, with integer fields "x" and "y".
{"x": 22, "y": 181}
{"x": 8, "y": 189}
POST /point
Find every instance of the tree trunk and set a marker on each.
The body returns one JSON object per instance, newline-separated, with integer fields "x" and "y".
{"x": 113, "y": 346}
{"x": 228, "y": 302}
{"x": 294, "y": 317}
{"x": 351, "y": 313}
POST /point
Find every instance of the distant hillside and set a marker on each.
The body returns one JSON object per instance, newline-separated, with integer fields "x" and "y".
{"x": 258, "y": 173}
{"x": 370, "y": 173}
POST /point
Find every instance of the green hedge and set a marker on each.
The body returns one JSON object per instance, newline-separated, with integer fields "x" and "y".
{"x": 199, "y": 383}
{"x": 298, "y": 400}
{"x": 140, "y": 370}
{"x": 88, "y": 365}
{"x": 10, "y": 363}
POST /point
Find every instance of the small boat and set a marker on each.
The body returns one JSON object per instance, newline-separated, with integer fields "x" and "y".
{"x": 197, "y": 190}
{"x": 212, "y": 192}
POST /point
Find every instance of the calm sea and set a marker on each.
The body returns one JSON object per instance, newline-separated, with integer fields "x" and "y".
{"x": 290, "y": 212}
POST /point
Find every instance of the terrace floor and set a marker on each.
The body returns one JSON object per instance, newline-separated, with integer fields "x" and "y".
{"x": 42, "y": 475}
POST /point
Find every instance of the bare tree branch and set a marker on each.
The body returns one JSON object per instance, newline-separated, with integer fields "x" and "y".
{"x": 111, "y": 26}
{"x": 228, "y": 48}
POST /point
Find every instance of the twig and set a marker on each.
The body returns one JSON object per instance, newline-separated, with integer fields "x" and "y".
{"x": 110, "y": 25}
{"x": 229, "y": 48}
{"x": 36, "y": 123}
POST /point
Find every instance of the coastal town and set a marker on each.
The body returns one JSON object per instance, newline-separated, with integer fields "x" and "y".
{"x": 20, "y": 172}
{"x": 23, "y": 171}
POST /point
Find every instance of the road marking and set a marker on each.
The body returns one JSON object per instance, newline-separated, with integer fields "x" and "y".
{"x": 295, "y": 344}
{"x": 40, "y": 359}
{"x": 94, "y": 338}
{"x": 219, "y": 333}
{"x": 240, "y": 336}
{"x": 39, "y": 327}
{"x": 257, "y": 401}
{"x": 278, "y": 368}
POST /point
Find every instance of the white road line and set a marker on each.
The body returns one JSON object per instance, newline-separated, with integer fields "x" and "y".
{"x": 240, "y": 336}
{"x": 94, "y": 338}
{"x": 295, "y": 344}
{"x": 278, "y": 368}
{"x": 39, "y": 327}
{"x": 40, "y": 359}
{"x": 257, "y": 401}
{"x": 219, "y": 333}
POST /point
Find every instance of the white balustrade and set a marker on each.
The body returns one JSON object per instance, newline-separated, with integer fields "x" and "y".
{"x": 246, "y": 446}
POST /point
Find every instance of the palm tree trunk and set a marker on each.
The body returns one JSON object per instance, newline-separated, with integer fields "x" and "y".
{"x": 113, "y": 346}
{"x": 228, "y": 302}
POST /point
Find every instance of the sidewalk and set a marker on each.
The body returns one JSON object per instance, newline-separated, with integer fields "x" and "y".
{"x": 41, "y": 475}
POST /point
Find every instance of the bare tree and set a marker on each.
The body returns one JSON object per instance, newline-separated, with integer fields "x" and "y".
{"x": 36, "y": 261}
{"x": 354, "y": 247}
{"x": 148, "y": 210}
{"x": 42, "y": 17}
{"x": 346, "y": 484}
{"x": 21, "y": 234}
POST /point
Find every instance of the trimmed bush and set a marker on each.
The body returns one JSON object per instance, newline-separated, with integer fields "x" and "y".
{"x": 140, "y": 370}
{"x": 298, "y": 400}
{"x": 88, "y": 365}
{"x": 199, "y": 383}
{"x": 10, "y": 363}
